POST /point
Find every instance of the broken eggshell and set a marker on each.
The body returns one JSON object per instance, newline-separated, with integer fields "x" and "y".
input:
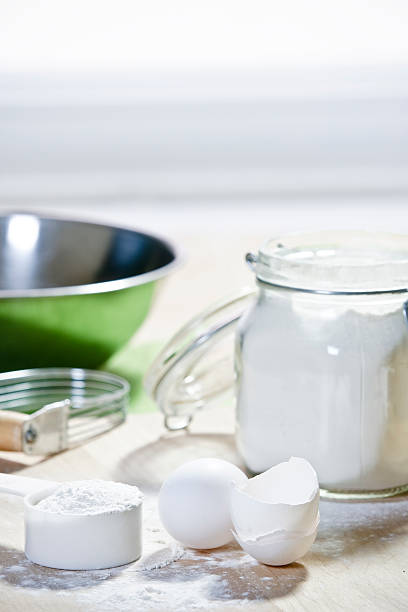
{"x": 280, "y": 547}
{"x": 284, "y": 498}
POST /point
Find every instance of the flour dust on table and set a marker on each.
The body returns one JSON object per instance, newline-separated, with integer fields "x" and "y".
{"x": 167, "y": 577}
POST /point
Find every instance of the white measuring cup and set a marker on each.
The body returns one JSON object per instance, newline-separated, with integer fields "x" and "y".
{"x": 74, "y": 541}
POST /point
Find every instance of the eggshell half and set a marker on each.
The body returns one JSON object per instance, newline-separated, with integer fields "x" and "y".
{"x": 285, "y": 497}
{"x": 279, "y": 547}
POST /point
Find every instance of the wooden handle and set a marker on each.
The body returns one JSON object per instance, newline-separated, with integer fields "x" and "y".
{"x": 11, "y": 430}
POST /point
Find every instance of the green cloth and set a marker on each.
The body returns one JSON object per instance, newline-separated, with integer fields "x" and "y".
{"x": 132, "y": 362}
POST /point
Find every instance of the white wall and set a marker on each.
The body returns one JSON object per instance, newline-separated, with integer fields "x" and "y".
{"x": 154, "y": 99}
{"x": 86, "y": 35}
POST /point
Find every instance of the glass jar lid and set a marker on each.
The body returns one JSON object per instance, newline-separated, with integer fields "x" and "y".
{"x": 335, "y": 262}
{"x": 196, "y": 367}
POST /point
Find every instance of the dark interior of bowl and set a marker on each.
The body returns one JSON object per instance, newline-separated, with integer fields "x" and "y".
{"x": 39, "y": 253}
{"x": 73, "y": 293}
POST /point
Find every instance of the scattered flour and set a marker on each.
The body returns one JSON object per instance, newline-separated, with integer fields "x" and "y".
{"x": 167, "y": 577}
{"x": 88, "y": 497}
{"x": 170, "y": 578}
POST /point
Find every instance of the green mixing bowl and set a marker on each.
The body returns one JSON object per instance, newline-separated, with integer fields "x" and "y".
{"x": 73, "y": 293}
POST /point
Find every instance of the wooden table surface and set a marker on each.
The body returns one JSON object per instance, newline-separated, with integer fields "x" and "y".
{"x": 358, "y": 562}
{"x": 360, "y": 558}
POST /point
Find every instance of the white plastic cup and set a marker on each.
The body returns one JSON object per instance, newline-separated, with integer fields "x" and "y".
{"x": 74, "y": 541}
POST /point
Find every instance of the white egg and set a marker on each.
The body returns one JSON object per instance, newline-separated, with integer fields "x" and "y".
{"x": 280, "y": 547}
{"x": 276, "y": 514}
{"x": 194, "y": 502}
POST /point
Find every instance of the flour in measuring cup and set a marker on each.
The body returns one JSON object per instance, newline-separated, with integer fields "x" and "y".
{"x": 89, "y": 497}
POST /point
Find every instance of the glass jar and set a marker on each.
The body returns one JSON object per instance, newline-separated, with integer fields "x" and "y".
{"x": 321, "y": 360}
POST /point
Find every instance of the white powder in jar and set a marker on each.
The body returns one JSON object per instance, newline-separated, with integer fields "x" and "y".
{"x": 326, "y": 378}
{"x": 89, "y": 497}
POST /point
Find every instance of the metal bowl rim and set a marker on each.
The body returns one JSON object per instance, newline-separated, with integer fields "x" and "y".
{"x": 73, "y": 374}
{"x": 103, "y": 286}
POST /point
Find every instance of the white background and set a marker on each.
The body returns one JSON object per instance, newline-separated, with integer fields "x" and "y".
{"x": 154, "y": 100}
{"x": 82, "y": 35}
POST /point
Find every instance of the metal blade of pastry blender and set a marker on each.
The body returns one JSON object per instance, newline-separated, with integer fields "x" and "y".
{"x": 64, "y": 424}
